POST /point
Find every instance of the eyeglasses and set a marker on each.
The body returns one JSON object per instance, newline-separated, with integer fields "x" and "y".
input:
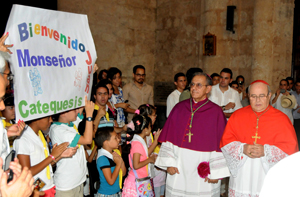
{"x": 261, "y": 96}
{"x": 140, "y": 75}
{"x": 198, "y": 85}
{"x": 10, "y": 76}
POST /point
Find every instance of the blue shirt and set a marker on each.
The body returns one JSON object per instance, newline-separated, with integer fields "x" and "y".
{"x": 105, "y": 188}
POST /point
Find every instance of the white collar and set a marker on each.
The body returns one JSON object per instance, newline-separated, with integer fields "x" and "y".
{"x": 104, "y": 152}
{"x": 33, "y": 136}
{"x": 142, "y": 141}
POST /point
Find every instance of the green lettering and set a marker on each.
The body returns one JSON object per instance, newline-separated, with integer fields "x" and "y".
{"x": 39, "y": 107}
{"x": 70, "y": 103}
{"x": 80, "y": 101}
{"x": 59, "y": 108}
{"x": 53, "y": 106}
{"x": 45, "y": 108}
{"x": 65, "y": 106}
{"x": 21, "y": 103}
{"x": 32, "y": 109}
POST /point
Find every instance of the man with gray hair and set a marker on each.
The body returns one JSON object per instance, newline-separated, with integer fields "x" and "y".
{"x": 190, "y": 139}
{"x": 256, "y": 137}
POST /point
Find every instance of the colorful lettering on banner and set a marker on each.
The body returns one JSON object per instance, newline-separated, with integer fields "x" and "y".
{"x": 52, "y": 60}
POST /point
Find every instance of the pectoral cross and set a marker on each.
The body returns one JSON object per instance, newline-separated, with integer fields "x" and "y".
{"x": 190, "y": 136}
{"x": 256, "y": 137}
{"x": 257, "y": 120}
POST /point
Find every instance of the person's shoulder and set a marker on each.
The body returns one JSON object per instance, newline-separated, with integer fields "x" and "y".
{"x": 239, "y": 113}
{"x": 127, "y": 86}
{"x": 172, "y": 94}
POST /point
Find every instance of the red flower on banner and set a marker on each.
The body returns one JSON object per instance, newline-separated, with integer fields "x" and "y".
{"x": 203, "y": 169}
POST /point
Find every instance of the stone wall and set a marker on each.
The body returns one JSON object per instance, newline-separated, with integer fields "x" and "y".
{"x": 166, "y": 36}
{"x": 123, "y": 32}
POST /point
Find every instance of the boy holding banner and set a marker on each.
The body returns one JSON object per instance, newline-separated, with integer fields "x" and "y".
{"x": 71, "y": 173}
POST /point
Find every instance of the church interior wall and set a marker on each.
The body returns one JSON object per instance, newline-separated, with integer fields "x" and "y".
{"x": 166, "y": 36}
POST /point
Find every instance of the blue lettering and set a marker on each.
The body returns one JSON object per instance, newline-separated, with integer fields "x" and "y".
{"x": 24, "y": 59}
{"x": 23, "y": 32}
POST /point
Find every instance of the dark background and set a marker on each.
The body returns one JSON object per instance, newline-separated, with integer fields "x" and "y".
{"x": 6, "y": 8}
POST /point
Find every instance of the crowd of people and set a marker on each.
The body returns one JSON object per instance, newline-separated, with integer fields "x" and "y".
{"x": 216, "y": 128}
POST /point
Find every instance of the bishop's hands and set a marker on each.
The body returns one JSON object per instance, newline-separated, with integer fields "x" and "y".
{"x": 254, "y": 151}
{"x": 172, "y": 170}
{"x": 214, "y": 181}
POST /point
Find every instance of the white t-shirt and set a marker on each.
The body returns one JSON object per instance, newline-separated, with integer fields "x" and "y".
{"x": 4, "y": 143}
{"x": 172, "y": 100}
{"x": 31, "y": 144}
{"x": 221, "y": 99}
{"x": 70, "y": 172}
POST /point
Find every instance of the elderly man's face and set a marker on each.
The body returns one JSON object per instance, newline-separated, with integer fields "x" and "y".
{"x": 199, "y": 88}
{"x": 259, "y": 97}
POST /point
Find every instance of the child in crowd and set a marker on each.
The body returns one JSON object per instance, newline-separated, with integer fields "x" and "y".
{"x": 71, "y": 173}
{"x": 32, "y": 152}
{"x": 139, "y": 156}
{"x": 109, "y": 163}
{"x": 159, "y": 175}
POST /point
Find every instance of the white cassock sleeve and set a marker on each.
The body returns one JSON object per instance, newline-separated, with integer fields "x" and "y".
{"x": 272, "y": 156}
{"x": 233, "y": 153}
{"x": 167, "y": 156}
{"x": 218, "y": 166}
{"x": 235, "y": 158}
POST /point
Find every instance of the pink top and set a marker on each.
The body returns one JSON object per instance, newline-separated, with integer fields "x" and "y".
{"x": 137, "y": 147}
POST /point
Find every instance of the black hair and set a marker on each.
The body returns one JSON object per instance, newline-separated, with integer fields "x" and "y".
{"x": 178, "y": 75}
{"x": 208, "y": 78}
{"x": 101, "y": 73}
{"x": 102, "y": 134}
{"x": 140, "y": 123}
{"x": 214, "y": 75}
{"x": 112, "y": 72}
{"x": 105, "y": 82}
{"x": 190, "y": 74}
{"x": 100, "y": 85}
{"x": 290, "y": 78}
{"x": 233, "y": 82}
{"x": 285, "y": 81}
{"x": 138, "y": 66}
{"x": 146, "y": 109}
{"x": 227, "y": 70}
{"x": 240, "y": 76}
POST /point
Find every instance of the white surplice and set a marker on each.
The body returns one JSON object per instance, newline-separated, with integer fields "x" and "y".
{"x": 188, "y": 182}
{"x": 247, "y": 174}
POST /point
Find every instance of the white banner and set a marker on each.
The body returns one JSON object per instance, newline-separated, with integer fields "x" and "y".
{"x": 52, "y": 61}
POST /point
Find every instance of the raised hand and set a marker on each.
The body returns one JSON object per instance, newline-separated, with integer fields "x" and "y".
{"x": 5, "y": 47}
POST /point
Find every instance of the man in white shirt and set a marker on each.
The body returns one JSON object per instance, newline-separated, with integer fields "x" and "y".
{"x": 224, "y": 96}
{"x": 276, "y": 99}
{"x": 173, "y": 98}
{"x": 291, "y": 84}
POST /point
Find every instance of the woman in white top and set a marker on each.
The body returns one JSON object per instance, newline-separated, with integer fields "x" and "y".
{"x": 32, "y": 152}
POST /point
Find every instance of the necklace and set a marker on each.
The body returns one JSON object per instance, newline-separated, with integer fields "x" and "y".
{"x": 192, "y": 116}
{"x": 257, "y": 120}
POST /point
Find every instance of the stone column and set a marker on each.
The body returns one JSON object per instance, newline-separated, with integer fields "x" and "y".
{"x": 263, "y": 32}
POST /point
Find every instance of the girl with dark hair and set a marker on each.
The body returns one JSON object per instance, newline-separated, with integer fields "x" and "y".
{"x": 139, "y": 156}
{"x": 115, "y": 76}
